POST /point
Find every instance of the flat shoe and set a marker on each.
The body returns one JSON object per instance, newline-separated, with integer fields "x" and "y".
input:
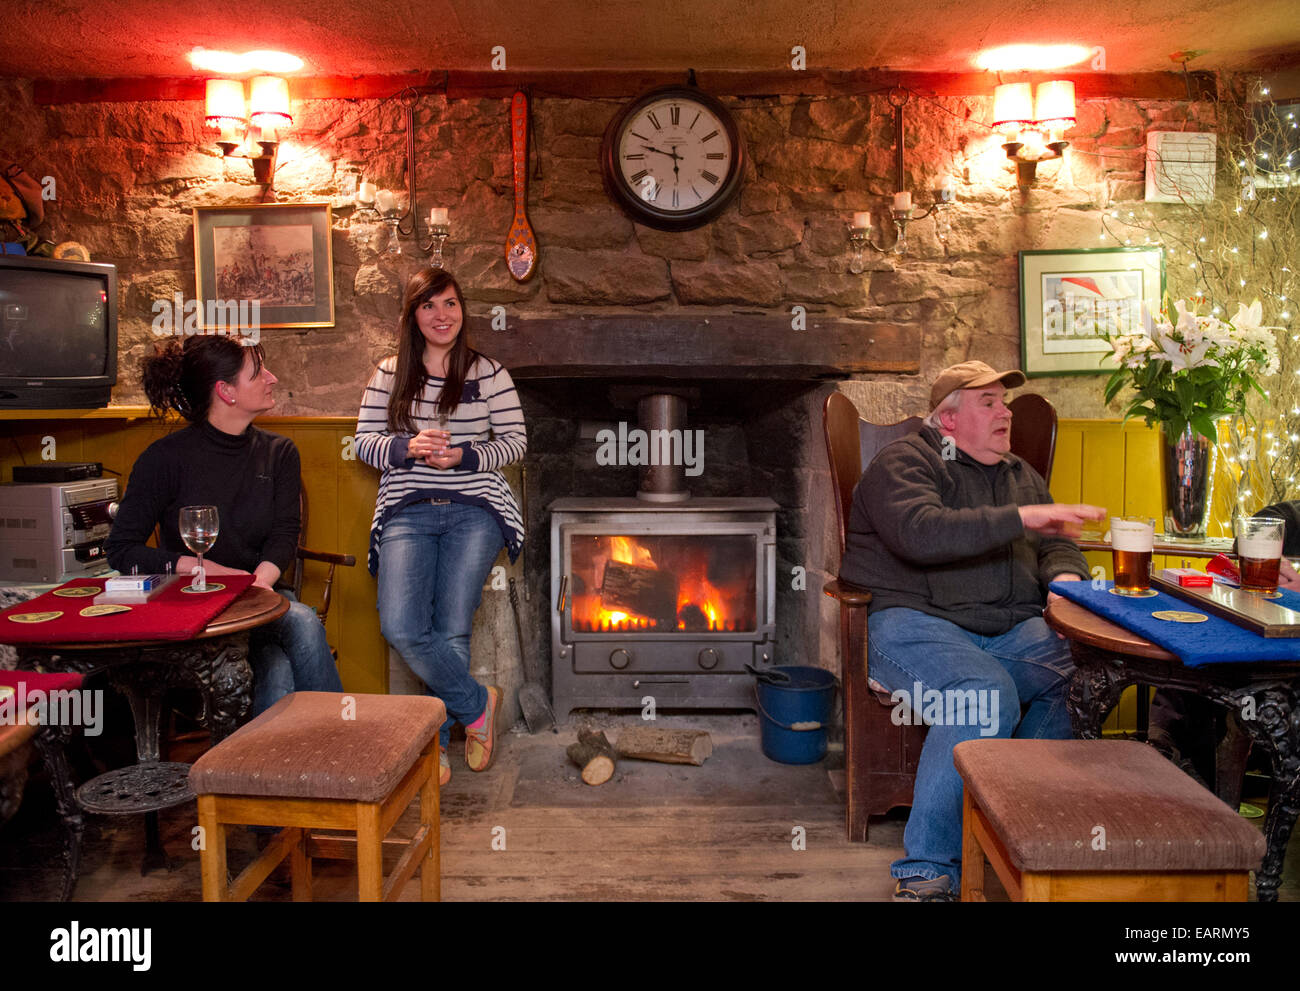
{"x": 480, "y": 744}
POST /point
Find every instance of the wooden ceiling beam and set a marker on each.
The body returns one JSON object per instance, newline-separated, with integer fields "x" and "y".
{"x": 460, "y": 84}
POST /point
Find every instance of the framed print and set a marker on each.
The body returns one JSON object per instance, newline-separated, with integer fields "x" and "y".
{"x": 1071, "y": 300}
{"x": 275, "y": 255}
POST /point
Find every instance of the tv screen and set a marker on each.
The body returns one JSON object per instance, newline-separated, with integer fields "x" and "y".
{"x": 58, "y": 333}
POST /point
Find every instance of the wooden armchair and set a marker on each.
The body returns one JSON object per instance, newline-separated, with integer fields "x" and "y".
{"x": 305, "y": 554}
{"x": 880, "y": 759}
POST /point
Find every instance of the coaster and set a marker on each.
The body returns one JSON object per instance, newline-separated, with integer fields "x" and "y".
{"x": 78, "y": 591}
{"x": 35, "y": 617}
{"x": 1133, "y": 595}
{"x": 212, "y": 587}
{"x": 1177, "y": 616}
{"x": 1264, "y": 595}
{"x": 105, "y": 609}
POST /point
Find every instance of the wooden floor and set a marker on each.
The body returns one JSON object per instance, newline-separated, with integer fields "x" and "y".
{"x": 530, "y": 830}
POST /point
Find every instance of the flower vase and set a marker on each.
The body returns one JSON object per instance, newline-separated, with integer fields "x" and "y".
{"x": 1189, "y": 461}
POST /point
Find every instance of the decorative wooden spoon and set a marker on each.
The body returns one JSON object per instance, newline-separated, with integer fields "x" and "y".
{"x": 521, "y": 245}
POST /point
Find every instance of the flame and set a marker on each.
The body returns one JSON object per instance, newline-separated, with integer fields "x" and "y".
{"x": 695, "y": 593}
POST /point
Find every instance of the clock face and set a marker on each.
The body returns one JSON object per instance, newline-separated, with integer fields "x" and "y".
{"x": 674, "y": 159}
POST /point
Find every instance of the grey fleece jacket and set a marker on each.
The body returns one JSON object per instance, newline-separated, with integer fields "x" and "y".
{"x": 941, "y": 537}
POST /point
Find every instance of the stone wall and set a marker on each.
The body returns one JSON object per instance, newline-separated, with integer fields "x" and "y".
{"x": 128, "y": 175}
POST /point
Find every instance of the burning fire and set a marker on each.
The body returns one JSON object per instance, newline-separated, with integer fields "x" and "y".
{"x": 700, "y": 606}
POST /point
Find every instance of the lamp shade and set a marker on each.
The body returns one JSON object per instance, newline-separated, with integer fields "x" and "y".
{"x": 1054, "y": 104}
{"x": 1013, "y": 105}
{"x": 269, "y": 102}
{"x": 224, "y": 103}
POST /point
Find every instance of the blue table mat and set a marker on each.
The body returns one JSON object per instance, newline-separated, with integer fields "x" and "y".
{"x": 1216, "y": 641}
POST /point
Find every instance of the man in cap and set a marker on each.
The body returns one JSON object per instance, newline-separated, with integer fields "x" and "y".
{"x": 958, "y": 539}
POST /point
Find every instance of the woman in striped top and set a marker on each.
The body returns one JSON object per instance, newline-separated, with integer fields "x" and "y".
{"x": 440, "y": 420}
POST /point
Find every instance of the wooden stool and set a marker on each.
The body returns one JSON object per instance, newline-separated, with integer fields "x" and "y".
{"x": 330, "y": 761}
{"x": 1097, "y": 820}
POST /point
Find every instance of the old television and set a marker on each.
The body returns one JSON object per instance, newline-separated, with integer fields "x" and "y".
{"x": 58, "y": 333}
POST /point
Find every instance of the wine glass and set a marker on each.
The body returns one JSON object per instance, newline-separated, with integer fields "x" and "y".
{"x": 199, "y": 527}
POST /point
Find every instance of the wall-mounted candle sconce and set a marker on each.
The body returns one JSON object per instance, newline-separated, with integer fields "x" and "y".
{"x": 1033, "y": 124}
{"x": 259, "y": 120}
{"x": 439, "y": 231}
{"x": 903, "y": 213}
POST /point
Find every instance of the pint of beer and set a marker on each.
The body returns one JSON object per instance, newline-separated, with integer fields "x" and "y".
{"x": 1259, "y": 552}
{"x": 1131, "y": 539}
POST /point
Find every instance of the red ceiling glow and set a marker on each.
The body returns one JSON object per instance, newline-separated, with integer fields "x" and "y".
{"x": 233, "y": 64}
{"x": 1013, "y": 58}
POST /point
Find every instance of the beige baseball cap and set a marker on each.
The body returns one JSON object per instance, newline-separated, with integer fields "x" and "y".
{"x": 971, "y": 375}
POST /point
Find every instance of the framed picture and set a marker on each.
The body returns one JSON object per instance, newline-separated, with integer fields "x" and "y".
{"x": 1071, "y": 300}
{"x": 270, "y": 264}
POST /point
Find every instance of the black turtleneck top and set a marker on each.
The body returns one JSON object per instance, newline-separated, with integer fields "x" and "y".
{"x": 253, "y": 479}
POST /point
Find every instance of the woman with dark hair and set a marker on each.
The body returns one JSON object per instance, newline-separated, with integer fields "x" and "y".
{"x": 440, "y": 421}
{"x": 253, "y": 478}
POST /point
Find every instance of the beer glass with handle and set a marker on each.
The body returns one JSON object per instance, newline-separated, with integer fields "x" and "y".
{"x": 1131, "y": 541}
{"x": 1259, "y": 553}
{"x": 199, "y": 527}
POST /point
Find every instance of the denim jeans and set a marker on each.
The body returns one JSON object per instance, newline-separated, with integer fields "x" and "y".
{"x": 433, "y": 561}
{"x": 1027, "y": 666}
{"x": 290, "y": 655}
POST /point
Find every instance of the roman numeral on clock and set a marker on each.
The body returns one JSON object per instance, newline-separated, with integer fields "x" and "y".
{"x": 637, "y": 157}
{"x": 706, "y": 174}
{"x": 712, "y": 134}
{"x": 655, "y": 121}
{"x": 716, "y": 156}
{"x": 640, "y": 175}
{"x": 676, "y": 113}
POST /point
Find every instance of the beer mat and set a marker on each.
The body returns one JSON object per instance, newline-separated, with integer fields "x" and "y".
{"x": 169, "y": 616}
{"x": 1214, "y": 641}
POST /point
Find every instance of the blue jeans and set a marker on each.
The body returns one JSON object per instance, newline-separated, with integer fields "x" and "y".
{"x": 1027, "y": 666}
{"x": 433, "y": 561}
{"x": 290, "y": 655}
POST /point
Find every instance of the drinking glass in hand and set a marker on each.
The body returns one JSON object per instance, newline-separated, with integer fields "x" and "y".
{"x": 1259, "y": 552}
{"x": 199, "y": 527}
{"x": 1131, "y": 540}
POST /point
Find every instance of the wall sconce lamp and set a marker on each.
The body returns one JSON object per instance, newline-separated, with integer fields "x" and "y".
{"x": 267, "y": 109}
{"x": 439, "y": 231}
{"x": 1034, "y": 124}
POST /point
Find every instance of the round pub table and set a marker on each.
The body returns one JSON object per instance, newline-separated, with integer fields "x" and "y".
{"x": 1109, "y": 658}
{"x": 215, "y": 662}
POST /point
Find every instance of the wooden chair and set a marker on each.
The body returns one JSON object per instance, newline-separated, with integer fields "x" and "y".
{"x": 880, "y": 758}
{"x": 324, "y": 557}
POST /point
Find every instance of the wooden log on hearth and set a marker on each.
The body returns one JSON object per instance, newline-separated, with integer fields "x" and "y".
{"x": 594, "y": 754}
{"x": 667, "y": 746}
{"x": 642, "y": 591}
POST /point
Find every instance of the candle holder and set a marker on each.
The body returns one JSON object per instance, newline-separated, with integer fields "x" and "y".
{"x": 393, "y": 218}
{"x": 860, "y": 237}
{"x": 438, "y": 233}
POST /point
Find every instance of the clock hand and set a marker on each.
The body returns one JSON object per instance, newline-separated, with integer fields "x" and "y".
{"x": 657, "y": 151}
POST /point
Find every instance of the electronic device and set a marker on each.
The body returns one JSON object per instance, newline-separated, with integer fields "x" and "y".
{"x": 58, "y": 471}
{"x": 58, "y": 333}
{"x": 55, "y": 531}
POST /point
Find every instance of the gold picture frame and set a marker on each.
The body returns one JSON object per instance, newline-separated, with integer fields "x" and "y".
{"x": 276, "y": 255}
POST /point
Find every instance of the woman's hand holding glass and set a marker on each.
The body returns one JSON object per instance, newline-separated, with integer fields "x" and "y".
{"x": 433, "y": 447}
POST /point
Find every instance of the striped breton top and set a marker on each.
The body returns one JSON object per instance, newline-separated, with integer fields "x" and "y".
{"x": 488, "y": 425}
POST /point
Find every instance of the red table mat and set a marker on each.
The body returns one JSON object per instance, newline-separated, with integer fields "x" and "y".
{"x": 174, "y": 615}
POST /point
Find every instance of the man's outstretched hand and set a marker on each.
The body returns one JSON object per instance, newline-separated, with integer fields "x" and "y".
{"x": 1055, "y": 519}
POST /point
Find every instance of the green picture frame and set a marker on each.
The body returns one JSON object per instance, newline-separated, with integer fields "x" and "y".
{"x": 1069, "y": 298}
{"x": 279, "y": 254}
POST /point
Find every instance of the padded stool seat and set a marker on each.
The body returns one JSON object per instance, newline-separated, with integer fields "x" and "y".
{"x": 324, "y": 760}
{"x": 1097, "y": 820}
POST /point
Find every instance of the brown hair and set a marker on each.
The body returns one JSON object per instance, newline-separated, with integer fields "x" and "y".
{"x": 181, "y": 376}
{"x": 409, "y": 375}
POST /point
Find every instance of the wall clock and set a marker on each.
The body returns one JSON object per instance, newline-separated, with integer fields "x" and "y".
{"x": 673, "y": 158}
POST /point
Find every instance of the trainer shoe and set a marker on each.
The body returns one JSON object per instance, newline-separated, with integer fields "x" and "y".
{"x": 922, "y": 889}
{"x": 481, "y": 736}
{"x": 444, "y": 767}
